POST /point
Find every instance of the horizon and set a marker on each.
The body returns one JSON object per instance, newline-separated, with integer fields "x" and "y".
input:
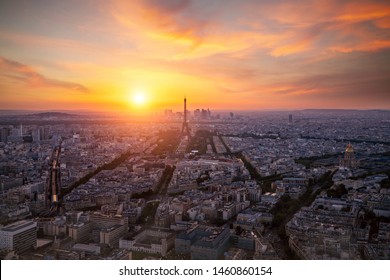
{"x": 144, "y": 57}
{"x": 16, "y": 112}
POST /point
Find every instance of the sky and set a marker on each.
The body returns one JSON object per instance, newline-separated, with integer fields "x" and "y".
{"x": 137, "y": 56}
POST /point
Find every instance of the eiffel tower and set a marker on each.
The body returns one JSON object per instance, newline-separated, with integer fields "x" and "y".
{"x": 185, "y": 130}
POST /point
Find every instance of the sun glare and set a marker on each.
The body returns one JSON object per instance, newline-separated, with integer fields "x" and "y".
{"x": 139, "y": 98}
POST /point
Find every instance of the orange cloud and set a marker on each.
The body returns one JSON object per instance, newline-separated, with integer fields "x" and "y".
{"x": 364, "y": 47}
{"x": 30, "y": 77}
{"x": 293, "y": 48}
{"x": 159, "y": 17}
{"x": 185, "y": 30}
{"x": 383, "y": 22}
{"x": 363, "y": 11}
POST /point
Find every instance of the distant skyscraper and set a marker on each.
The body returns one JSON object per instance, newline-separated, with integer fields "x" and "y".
{"x": 185, "y": 131}
{"x": 197, "y": 113}
{"x": 290, "y": 118}
{"x": 4, "y": 133}
{"x": 36, "y": 135}
{"x": 205, "y": 114}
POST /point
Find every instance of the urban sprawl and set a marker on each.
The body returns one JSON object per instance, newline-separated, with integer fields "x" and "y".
{"x": 310, "y": 184}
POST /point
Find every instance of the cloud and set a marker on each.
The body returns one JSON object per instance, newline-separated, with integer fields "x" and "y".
{"x": 159, "y": 19}
{"x": 169, "y": 6}
{"x": 339, "y": 26}
{"x": 365, "y": 87}
{"x": 26, "y": 74}
{"x": 363, "y": 11}
{"x": 383, "y": 22}
{"x": 183, "y": 29}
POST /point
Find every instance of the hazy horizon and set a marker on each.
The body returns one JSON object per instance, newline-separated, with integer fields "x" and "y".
{"x": 4, "y": 112}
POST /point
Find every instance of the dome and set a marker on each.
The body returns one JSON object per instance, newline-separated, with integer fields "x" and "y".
{"x": 349, "y": 148}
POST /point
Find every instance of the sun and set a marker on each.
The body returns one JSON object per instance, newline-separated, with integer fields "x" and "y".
{"x": 139, "y": 98}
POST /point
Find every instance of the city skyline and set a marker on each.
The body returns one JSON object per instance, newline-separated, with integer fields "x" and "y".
{"x": 147, "y": 55}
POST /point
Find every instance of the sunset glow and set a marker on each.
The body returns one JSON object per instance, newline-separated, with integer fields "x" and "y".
{"x": 139, "y": 98}
{"x": 223, "y": 55}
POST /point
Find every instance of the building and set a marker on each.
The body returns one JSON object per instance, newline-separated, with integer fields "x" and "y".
{"x": 111, "y": 236}
{"x": 151, "y": 241}
{"x": 254, "y": 191}
{"x": 263, "y": 249}
{"x": 20, "y": 236}
{"x": 384, "y": 233}
{"x": 54, "y": 227}
{"x": 293, "y": 187}
{"x": 349, "y": 160}
{"x": 324, "y": 233}
{"x": 4, "y": 133}
{"x": 203, "y": 243}
{"x": 80, "y": 232}
{"x": 100, "y": 220}
{"x": 69, "y": 255}
{"x": 244, "y": 240}
{"x": 253, "y": 220}
{"x": 212, "y": 246}
{"x": 88, "y": 249}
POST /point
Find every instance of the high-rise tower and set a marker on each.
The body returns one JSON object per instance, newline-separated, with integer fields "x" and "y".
{"x": 185, "y": 131}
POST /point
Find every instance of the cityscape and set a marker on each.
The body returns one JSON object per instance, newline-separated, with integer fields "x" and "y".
{"x": 310, "y": 184}
{"x": 195, "y": 130}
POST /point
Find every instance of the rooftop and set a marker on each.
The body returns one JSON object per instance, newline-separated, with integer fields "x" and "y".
{"x": 18, "y": 226}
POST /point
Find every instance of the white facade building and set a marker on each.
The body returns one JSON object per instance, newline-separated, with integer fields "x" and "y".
{"x": 20, "y": 236}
